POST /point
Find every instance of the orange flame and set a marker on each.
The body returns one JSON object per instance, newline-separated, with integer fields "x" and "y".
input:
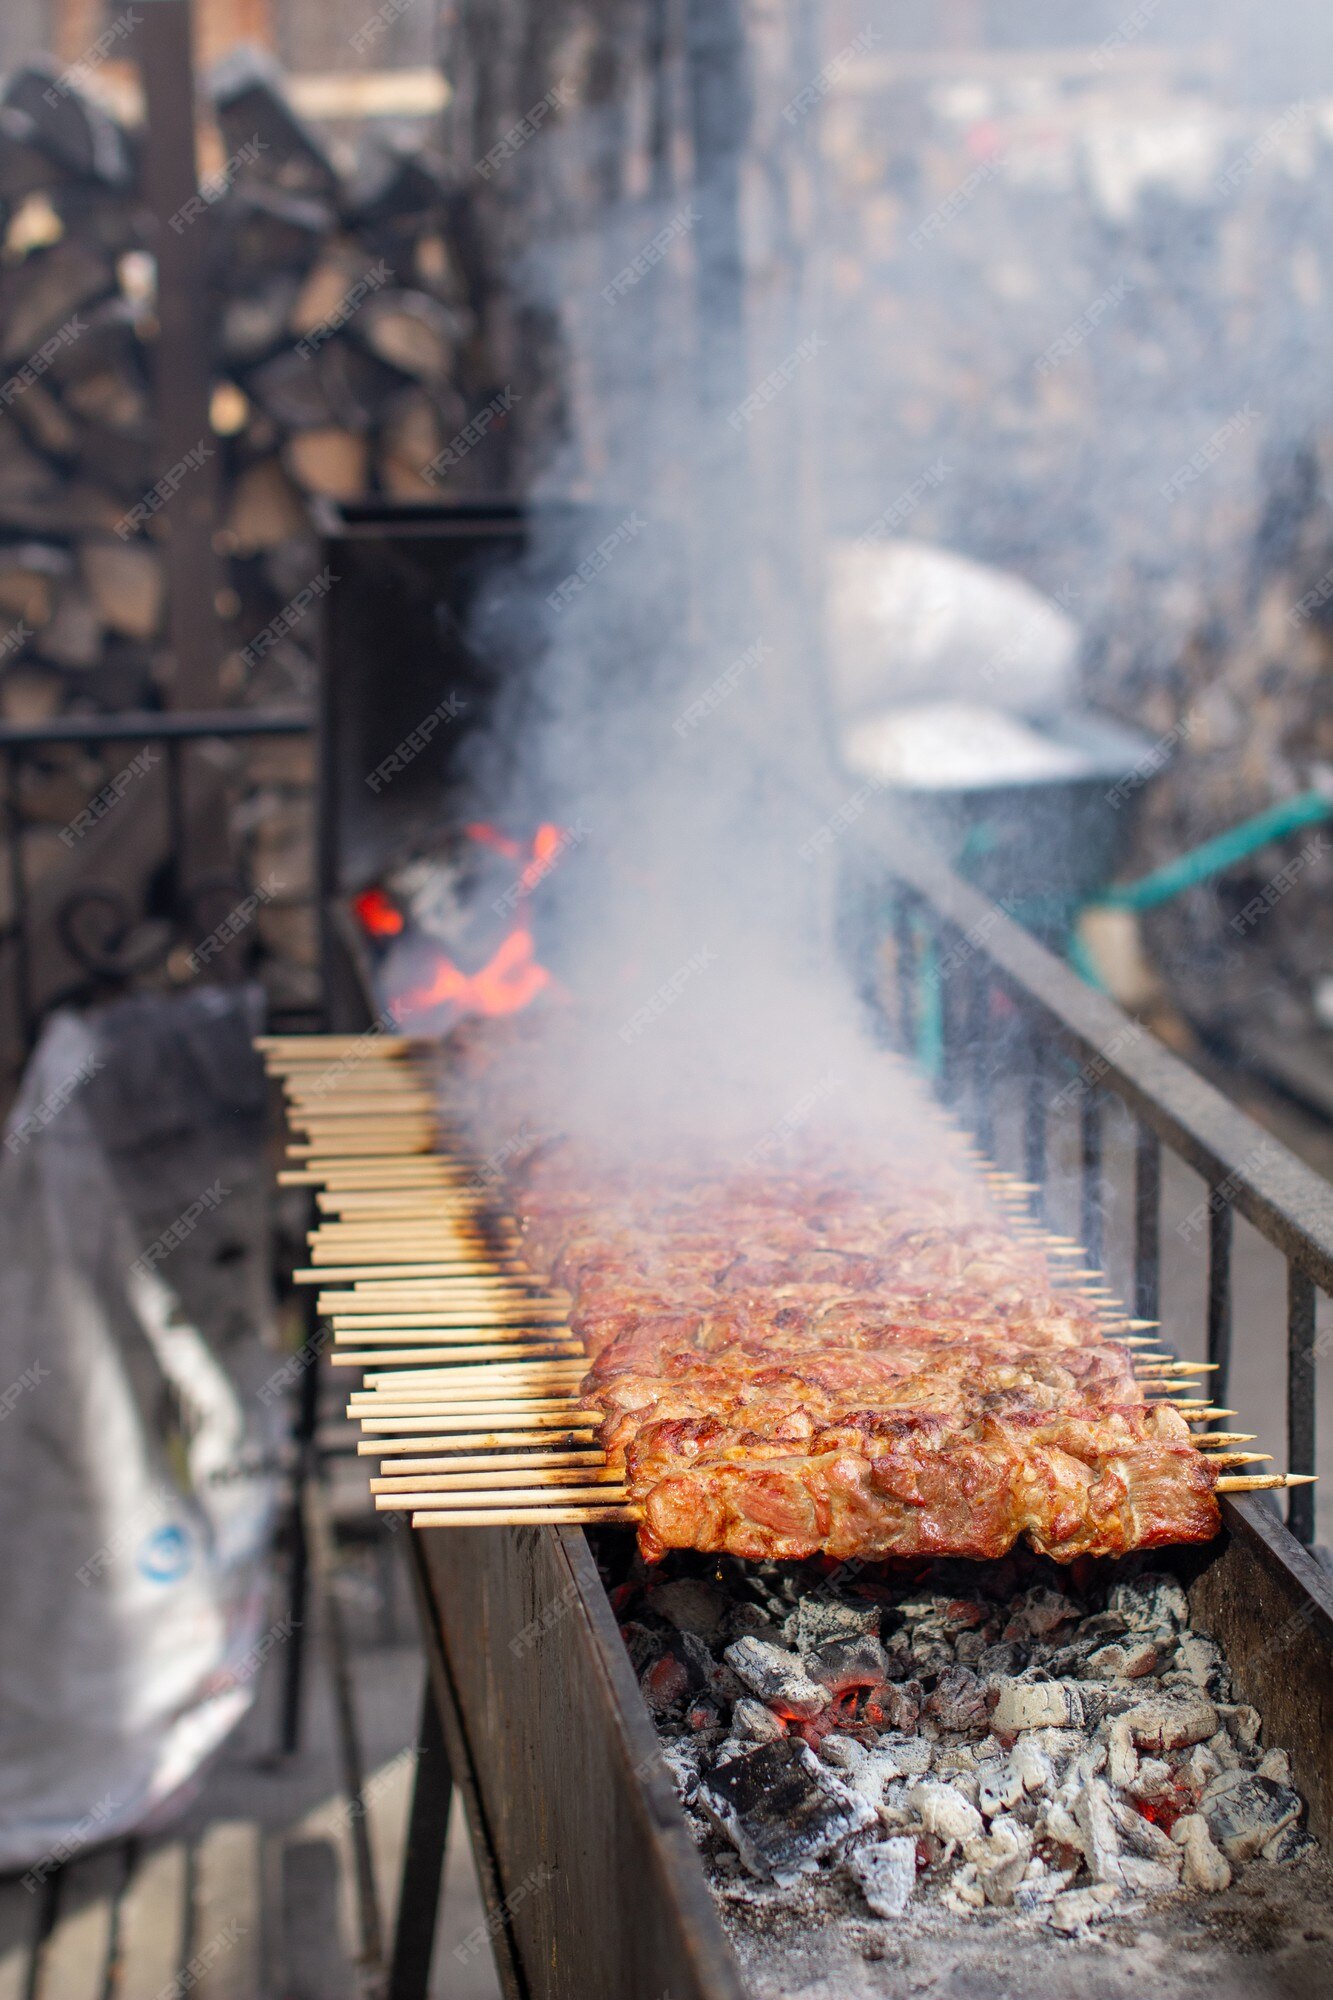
{"x": 510, "y": 980}
{"x": 512, "y": 977}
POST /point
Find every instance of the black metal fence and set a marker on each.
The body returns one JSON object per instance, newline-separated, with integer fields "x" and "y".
{"x": 990, "y": 1010}
{"x": 184, "y": 860}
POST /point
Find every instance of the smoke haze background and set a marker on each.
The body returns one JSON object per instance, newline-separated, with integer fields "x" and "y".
{"x": 1076, "y": 263}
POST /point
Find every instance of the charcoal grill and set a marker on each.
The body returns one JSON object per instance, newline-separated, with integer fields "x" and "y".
{"x": 532, "y": 1709}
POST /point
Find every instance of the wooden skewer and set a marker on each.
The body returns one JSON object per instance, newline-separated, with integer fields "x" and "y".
{"x": 544, "y": 1380}
{"x": 1262, "y": 1482}
{"x": 544, "y": 1344}
{"x": 476, "y": 1326}
{"x": 315, "y": 1153}
{"x": 446, "y": 1337}
{"x": 467, "y": 1489}
{"x": 378, "y": 1357}
{"x": 407, "y": 1470}
{"x": 503, "y": 1416}
{"x": 1192, "y": 1368}
{"x": 1197, "y": 1413}
{"x": 1216, "y": 1440}
{"x": 503, "y": 1515}
{"x": 347, "y": 1273}
{"x": 381, "y": 1448}
{"x": 515, "y": 1366}
{"x": 401, "y": 1097}
{"x": 554, "y": 1388}
{"x": 1241, "y": 1458}
{"x": 504, "y": 1406}
{"x": 371, "y": 1203}
{"x": 388, "y": 1251}
{"x": 352, "y": 1308}
{"x": 311, "y": 1048}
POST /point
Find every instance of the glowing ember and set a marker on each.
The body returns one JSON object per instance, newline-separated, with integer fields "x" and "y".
{"x": 512, "y": 977}
{"x": 378, "y": 915}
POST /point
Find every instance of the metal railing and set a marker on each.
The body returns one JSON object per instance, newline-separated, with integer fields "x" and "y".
{"x": 177, "y": 892}
{"x": 979, "y": 1000}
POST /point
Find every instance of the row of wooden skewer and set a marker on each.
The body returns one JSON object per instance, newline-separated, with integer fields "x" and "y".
{"x": 469, "y": 1396}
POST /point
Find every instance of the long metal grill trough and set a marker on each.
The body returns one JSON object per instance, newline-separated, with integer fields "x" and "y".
{"x": 583, "y": 1847}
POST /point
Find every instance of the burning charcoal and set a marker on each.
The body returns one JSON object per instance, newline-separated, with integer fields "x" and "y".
{"x": 864, "y": 1770}
{"x": 642, "y": 1645}
{"x": 999, "y": 1786}
{"x": 1203, "y": 1662}
{"x": 959, "y": 1773}
{"x": 931, "y": 1656}
{"x": 1150, "y": 1603}
{"x": 1077, "y": 1908}
{"x": 1037, "y": 1613}
{"x": 965, "y": 1614}
{"x": 747, "y": 1620}
{"x": 690, "y": 1605}
{"x": 900, "y": 1703}
{"x": 1041, "y": 1885}
{"x": 844, "y": 1751}
{"x": 958, "y": 1701}
{"x": 1245, "y": 1812}
{"x": 1128, "y": 1660}
{"x": 1000, "y": 1858}
{"x": 904, "y": 1756}
{"x": 1036, "y": 1705}
{"x": 750, "y": 1719}
{"x": 885, "y": 1871}
{"x": 969, "y": 1647}
{"x": 1148, "y": 1878}
{"x": 1153, "y": 1779}
{"x": 682, "y": 1759}
{"x": 1094, "y": 1816}
{"x": 819, "y": 1619}
{"x": 665, "y": 1684}
{"x": 943, "y": 1810}
{"x": 781, "y": 1810}
{"x": 1293, "y": 1843}
{"x": 1171, "y": 1720}
{"x": 1277, "y": 1766}
{"x": 703, "y": 1715}
{"x": 1223, "y": 1751}
{"x": 1104, "y": 1625}
{"x": 705, "y": 1670}
{"x": 1243, "y": 1724}
{"x": 1009, "y": 1657}
{"x": 1033, "y": 1764}
{"x": 1141, "y": 1837}
{"x": 839, "y": 1664}
{"x": 899, "y": 1664}
{"x": 1202, "y": 1865}
{"x": 777, "y": 1677}
{"x": 963, "y": 1892}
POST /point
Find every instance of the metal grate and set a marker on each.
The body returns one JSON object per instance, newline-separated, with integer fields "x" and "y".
{"x": 961, "y": 963}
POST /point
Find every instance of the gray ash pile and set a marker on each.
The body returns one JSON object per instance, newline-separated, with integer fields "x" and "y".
{"x": 983, "y": 1738}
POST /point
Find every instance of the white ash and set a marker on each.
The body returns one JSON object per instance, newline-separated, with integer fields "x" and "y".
{"x": 885, "y": 1872}
{"x": 975, "y": 1746}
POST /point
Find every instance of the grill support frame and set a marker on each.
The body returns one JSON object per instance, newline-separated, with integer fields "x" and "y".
{"x": 550, "y": 1743}
{"x": 941, "y": 920}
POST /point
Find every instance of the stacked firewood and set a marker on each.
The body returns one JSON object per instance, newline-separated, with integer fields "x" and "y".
{"x": 343, "y": 361}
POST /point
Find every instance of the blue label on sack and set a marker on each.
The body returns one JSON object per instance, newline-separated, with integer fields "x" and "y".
{"x": 165, "y": 1555}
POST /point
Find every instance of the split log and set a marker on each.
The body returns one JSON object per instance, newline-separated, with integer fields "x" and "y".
{"x": 126, "y": 583}
{"x": 332, "y": 462}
